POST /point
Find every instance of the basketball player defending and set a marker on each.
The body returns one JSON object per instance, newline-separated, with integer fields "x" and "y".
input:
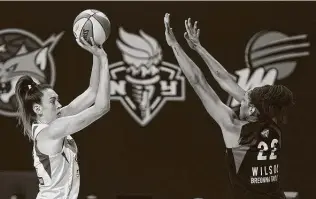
{"x": 50, "y": 126}
{"x": 252, "y": 139}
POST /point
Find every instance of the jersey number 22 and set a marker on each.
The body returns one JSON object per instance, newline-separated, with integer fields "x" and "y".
{"x": 264, "y": 147}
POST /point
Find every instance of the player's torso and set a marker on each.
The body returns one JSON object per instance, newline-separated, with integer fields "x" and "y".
{"x": 58, "y": 174}
{"x": 255, "y": 167}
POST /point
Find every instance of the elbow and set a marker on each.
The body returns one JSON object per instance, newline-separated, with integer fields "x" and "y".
{"x": 102, "y": 110}
{"x": 222, "y": 75}
{"x": 106, "y": 109}
{"x": 92, "y": 92}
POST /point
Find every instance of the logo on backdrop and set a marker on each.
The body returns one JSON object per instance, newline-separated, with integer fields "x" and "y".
{"x": 143, "y": 82}
{"x": 269, "y": 56}
{"x": 23, "y": 53}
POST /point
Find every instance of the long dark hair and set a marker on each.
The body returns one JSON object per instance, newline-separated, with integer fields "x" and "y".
{"x": 28, "y": 93}
{"x": 272, "y": 101}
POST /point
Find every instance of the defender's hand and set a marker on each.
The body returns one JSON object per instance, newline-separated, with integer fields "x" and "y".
{"x": 170, "y": 38}
{"x": 192, "y": 34}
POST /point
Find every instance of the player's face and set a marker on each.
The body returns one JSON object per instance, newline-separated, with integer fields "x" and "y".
{"x": 50, "y": 105}
{"x": 244, "y": 112}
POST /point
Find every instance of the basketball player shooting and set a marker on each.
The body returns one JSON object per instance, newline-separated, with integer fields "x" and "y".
{"x": 252, "y": 139}
{"x": 50, "y": 126}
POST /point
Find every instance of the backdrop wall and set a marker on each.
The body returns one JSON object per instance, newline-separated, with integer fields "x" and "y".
{"x": 177, "y": 151}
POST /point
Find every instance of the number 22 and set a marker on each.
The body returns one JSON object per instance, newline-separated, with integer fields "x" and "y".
{"x": 264, "y": 147}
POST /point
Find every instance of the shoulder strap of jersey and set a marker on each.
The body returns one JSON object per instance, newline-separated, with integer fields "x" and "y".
{"x": 277, "y": 129}
{"x": 36, "y": 128}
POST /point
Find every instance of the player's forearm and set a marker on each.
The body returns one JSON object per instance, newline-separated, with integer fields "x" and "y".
{"x": 95, "y": 75}
{"x": 220, "y": 74}
{"x": 89, "y": 96}
{"x": 102, "y": 100}
{"x": 217, "y": 70}
{"x": 195, "y": 76}
{"x": 188, "y": 67}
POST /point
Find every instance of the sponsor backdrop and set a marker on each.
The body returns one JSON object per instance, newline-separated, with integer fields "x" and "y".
{"x": 169, "y": 148}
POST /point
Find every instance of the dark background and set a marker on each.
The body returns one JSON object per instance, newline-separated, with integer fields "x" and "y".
{"x": 180, "y": 153}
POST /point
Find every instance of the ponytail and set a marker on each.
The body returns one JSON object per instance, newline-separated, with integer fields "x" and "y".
{"x": 27, "y": 93}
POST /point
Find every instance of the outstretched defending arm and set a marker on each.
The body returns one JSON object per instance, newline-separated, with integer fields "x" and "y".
{"x": 218, "y": 71}
{"x": 222, "y": 114}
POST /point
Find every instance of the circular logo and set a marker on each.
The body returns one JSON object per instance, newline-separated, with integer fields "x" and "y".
{"x": 272, "y": 49}
{"x": 23, "y": 53}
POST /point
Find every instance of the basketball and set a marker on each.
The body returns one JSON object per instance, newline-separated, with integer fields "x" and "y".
{"x": 92, "y": 23}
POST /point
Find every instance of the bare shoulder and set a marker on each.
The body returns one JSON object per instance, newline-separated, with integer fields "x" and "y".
{"x": 46, "y": 145}
{"x": 231, "y": 120}
{"x": 231, "y": 129}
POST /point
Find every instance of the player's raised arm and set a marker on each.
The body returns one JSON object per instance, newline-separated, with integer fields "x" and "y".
{"x": 64, "y": 126}
{"x": 87, "y": 98}
{"x": 222, "y": 114}
{"x": 218, "y": 71}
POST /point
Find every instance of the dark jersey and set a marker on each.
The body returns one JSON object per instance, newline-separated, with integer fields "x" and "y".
{"x": 254, "y": 166}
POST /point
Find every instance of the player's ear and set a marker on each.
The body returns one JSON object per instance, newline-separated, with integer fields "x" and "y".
{"x": 38, "y": 109}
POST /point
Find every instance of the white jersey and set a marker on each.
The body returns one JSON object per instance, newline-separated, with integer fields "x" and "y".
{"x": 58, "y": 174}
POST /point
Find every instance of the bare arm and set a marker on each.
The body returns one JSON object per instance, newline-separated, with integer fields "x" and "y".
{"x": 220, "y": 74}
{"x": 222, "y": 114}
{"x": 218, "y": 71}
{"x": 87, "y": 98}
{"x": 64, "y": 126}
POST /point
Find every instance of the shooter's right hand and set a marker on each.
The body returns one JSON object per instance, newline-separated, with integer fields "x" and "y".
{"x": 94, "y": 49}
